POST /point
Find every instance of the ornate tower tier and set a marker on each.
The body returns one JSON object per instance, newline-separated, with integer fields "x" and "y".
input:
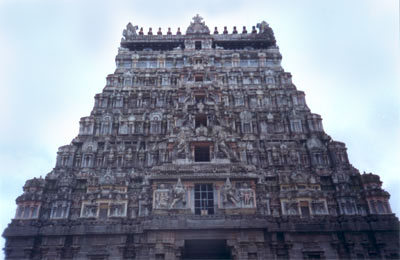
{"x": 201, "y": 147}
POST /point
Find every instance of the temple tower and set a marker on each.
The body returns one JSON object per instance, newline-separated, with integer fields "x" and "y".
{"x": 201, "y": 147}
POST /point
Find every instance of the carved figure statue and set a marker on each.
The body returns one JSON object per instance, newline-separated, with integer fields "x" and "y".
{"x": 220, "y": 144}
{"x": 117, "y": 210}
{"x": 201, "y": 131}
{"x": 144, "y": 198}
{"x": 178, "y": 193}
{"x": 246, "y": 196}
{"x": 162, "y": 198}
{"x": 183, "y": 141}
{"x": 292, "y": 208}
{"x": 129, "y": 155}
{"x": 130, "y": 31}
{"x": 318, "y": 207}
{"x": 229, "y": 193}
{"x": 262, "y": 26}
{"x": 90, "y": 211}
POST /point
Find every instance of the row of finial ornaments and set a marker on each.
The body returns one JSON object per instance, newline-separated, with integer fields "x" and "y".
{"x": 178, "y": 32}
{"x": 195, "y": 27}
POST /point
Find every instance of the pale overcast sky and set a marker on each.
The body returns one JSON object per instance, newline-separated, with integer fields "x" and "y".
{"x": 55, "y": 56}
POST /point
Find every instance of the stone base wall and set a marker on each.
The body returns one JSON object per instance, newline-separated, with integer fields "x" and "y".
{"x": 330, "y": 238}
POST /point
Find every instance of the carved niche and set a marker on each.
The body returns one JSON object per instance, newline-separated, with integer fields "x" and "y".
{"x": 167, "y": 196}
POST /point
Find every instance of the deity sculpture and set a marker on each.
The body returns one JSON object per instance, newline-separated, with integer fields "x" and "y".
{"x": 229, "y": 193}
{"x": 183, "y": 141}
{"x": 130, "y": 31}
{"x": 246, "y": 196}
{"x": 178, "y": 194}
{"x": 162, "y": 199}
{"x": 220, "y": 144}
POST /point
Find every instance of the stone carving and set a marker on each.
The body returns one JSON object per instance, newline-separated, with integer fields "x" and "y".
{"x": 178, "y": 194}
{"x": 240, "y": 197}
{"x": 263, "y": 26}
{"x": 318, "y": 207}
{"x": 182, "y": 146}
{"x": 220, "y": 143}
{"x": 89, "y": 210}
{"x": 201, "y": 131}
{"x": 130, "y": 32}
{"x": 169, "y": 197}
{"x": 229, "y": 193}
{"x": 117, "y": 210}
{"x": 197, "y": 26}
{"x": 162, "y": 197}
{"x": 108, "y": 178}
{"x": 144, "y": 198}
{"x": 291, "y": 207}
{"x": 246, "y": 196}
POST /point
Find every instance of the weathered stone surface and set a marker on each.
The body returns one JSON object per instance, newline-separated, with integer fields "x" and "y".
{"x": 200, "y": 146}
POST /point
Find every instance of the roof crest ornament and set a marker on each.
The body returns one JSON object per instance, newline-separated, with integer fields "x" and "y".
{"x": 263, "y": 26}
{"x": 197, "y": 26}
{"x": 130, "y": 32}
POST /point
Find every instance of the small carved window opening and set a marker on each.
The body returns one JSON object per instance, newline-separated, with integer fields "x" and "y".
{"x": 202, "y": 153}
{"x": 119, "y": 161}
{"x": 103, "y": 212}
{"x": 58, "y": 211}
{"x": 99, "y": 162}
{"x": 155, "y": 127}
{"x": 200, "y": 98}
{"x": 117, "y": 210}
{"x": 197, "y": 45}
{"x": 203, "y": 199}
{"x": 81, "y": 184}
{"x": 200, "y": 120}
{"x": 296, "y": 126}
{"x": 20, "y": 211}
{"x": 314, "y": 255}
{"x": 78, "y": 162}
{"x": 27, "y": 210}
{"x": 64, "y": 160}
{"x": 253, "y": 102}
{"x": 160, "y": 256}
{"x": 318, "y": 158}
{"x": 87, "y": 161}
{"x": 246, "y": 127}
{"x": 239, "y": 101}
{"x": 304, "y": 209}
{"x": 198, "y": 78}
{"x": 380, "y": 207}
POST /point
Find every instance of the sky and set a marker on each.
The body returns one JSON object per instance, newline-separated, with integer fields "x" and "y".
{"x": 55, "y": 56}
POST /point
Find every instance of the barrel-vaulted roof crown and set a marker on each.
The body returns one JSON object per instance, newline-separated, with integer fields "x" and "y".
{"x": 197, "y": 26}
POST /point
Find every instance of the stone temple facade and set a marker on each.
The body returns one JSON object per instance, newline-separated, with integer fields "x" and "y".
{"x": 201, "y": 147}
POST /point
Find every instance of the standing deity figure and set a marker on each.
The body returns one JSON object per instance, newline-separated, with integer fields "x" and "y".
{"x": 220, "y": 144}
{"x": 246, "y": 195}
{"x": 178, "y": 193}
{"x": 162, "y": 197}
{"x": 183, "y": 141}
{"x": 229, "y": 193}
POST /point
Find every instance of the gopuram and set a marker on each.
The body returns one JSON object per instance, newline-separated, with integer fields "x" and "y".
{"x": 201, "y": 147}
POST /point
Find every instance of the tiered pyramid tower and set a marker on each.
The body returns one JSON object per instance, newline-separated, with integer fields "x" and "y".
{"x": 201, "y": 147}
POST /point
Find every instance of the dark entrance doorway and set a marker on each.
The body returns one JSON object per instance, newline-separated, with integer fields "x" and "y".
{"x": 206, "y": 249}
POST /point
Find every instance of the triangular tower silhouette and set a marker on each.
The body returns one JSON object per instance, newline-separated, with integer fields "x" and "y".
{"x": 201, "y": 147}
